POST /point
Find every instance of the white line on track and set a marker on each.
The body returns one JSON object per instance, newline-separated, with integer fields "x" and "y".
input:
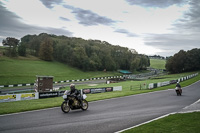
{"x": 144, "y": 123}
{"x": 192, "y": 104}
{"x": 157, "y": 119}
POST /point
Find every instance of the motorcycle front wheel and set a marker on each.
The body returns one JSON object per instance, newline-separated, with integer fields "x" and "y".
{"x": 85, "y": 105}
{"x": 65, "y": 107}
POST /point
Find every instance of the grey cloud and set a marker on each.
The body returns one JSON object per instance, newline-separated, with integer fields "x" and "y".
{"x": 185, "y": 35}
{"x": 12, "y": 26}
{"x": 65, "y": 19}
{"x": 155, "y": 3}
{"x": 191, "y": 20}
{"x": 124, "y": 31}
{"x": 50, "y": 3}
{"x": 172, "y": 43}
{"x": 89, "y": 18}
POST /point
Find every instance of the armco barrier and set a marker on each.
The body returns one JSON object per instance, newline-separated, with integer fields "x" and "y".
{"x": 160, "y": 84}
{"x": 66, "y": 81}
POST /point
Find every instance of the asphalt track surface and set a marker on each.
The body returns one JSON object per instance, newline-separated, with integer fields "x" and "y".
{"x": 106, "y": 116}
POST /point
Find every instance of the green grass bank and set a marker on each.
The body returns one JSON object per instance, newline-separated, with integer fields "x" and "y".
{"x": 157, "y": 63}
{"x": 177, "y": 123}
{"x": 24, "y": 70}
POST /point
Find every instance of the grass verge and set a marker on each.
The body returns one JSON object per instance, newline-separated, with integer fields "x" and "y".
{"x": 176, "y": 123}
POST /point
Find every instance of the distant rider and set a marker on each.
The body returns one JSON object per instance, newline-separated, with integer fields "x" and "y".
{"x": 75, "y": 92}
{"x": 178, "y": 87}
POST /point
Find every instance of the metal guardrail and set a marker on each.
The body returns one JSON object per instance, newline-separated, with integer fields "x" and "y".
{"x": 138, "y": 76}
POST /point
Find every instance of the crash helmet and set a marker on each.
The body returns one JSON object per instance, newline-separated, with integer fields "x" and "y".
{"x": 72, "y": 87}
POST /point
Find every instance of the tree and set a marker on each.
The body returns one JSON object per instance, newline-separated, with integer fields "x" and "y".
{"x": 80, "y": 58}
{"x": 12, "y": 43}
{"x": 144, "y": 62}
{"x": 46, "y": 50}
{"x": 22, "y": 50}
{"x": 192, "y": 62}
{"x": 135, "y": 64}
{"x": 32, "y": 43}
{"x": 176, "y": 63}
{"x": 88, "y": 55}
{"x": 109, "y": 63}
{"x": 95, "y": 62}
{"x": 179, "y": 61}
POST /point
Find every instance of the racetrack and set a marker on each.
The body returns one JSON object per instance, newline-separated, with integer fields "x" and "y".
{"x": 106, "y": 116}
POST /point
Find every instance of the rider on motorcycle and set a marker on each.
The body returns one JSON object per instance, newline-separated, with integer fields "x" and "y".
{"x": 75, "y": 92}
{"x": 178, "y": 85}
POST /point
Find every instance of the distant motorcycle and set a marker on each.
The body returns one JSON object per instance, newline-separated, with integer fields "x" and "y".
{"x": 178, "y": 91}
{"x": 71, "y": 102}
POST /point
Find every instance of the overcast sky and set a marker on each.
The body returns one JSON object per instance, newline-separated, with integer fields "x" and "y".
{"x": 161, "y": 27}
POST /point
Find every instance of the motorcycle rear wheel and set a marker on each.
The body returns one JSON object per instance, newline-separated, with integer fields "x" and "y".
{"x": 85, "y": 105}
{"x": 65, "y": 107}
{"x": 178, "y": 93}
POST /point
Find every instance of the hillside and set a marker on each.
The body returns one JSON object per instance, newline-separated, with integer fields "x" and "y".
{"x": 157, "y": 63}
{"x": 24, "y": 70}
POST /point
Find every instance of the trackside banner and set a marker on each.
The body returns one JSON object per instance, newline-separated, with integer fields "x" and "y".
{"x": 48, "y": 94}
{"x": 101, "y": 90}
{"x": 97, "y": 90}
{"x": 18, "y": 97}
{"x": 39, "y": 95}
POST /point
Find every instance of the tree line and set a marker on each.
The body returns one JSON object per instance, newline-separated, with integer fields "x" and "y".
{"x": 184, "y": 61}
{"x": 87, "y": 55}
{"x": 156, "y": 57}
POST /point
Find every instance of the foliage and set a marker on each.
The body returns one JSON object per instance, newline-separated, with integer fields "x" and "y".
{"x": 46, "y": 50}
{"x": 87, "y": 55}
{"x": 135, "y": 64}
{"x": 12, "y": 43}
{"x": 156, "y": 57}
{"x": 184, "y": 61}
{"x": 22, "y": 50}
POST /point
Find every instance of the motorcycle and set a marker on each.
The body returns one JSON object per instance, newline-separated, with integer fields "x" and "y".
{"x": 178, "y": 91}
{"x": 71, "y": 102}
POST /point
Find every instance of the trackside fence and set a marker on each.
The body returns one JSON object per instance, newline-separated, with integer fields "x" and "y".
{"x": 65, "y": 81}
{"x": 160, "y": 84}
